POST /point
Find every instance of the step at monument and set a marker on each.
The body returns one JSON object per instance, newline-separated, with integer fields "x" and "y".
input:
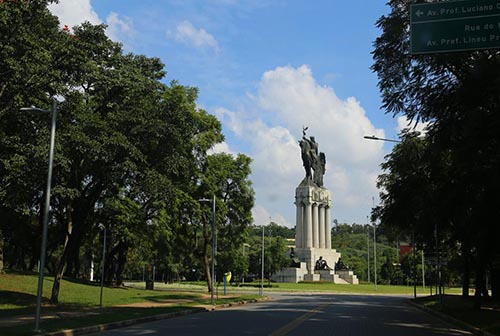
{"x": 313, "y": 258}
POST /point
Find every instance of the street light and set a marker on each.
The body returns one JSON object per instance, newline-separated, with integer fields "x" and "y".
{"x": 103, "y": 228}
{"x": 46, "y": 210}
{"x": 368, "y": 248}
{"x": 262, "y": 270}
{"x": 373, "y": 137}
{"x": 375, "y": 254}
{"x": 214, "y": 247}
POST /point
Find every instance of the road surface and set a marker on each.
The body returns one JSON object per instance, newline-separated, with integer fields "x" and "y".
{"x": 304, "y": 314}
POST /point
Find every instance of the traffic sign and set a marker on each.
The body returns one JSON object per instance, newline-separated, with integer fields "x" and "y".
{"x": 454, "y": 26}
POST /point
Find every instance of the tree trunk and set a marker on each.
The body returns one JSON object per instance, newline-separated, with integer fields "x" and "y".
{"x": 495, "y": 282}
{"x": 206, "y": 260}
{"x": 54, "y": 298}
{"x": 1, "y": 253}
{"x": 466, "y": 272}
{"x": 122, "y": 259}
{"x": 480, "y": 287}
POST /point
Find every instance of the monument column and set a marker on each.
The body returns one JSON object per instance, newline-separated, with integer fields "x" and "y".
{"x": 298, "y": 225}
{"x": 322, "y": 238}
{"x": 328, "y": 232}
{"x": 315, "y": 225}
{"x": 307, "y": 225}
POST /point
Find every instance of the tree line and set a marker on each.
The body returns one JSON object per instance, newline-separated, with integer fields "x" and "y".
{"x": 131, "y": 153}
{"x": 440, "y": 189}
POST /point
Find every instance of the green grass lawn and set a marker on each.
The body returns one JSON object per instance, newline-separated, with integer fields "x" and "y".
{"x": 363, "y": 288}
{"x": 79, "y": 302}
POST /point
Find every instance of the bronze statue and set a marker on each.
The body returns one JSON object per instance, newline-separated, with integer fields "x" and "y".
{"x": 311, "y": 159}
{"x": 340, "y": 266}
{"x": 294, "y": 261}
{"x": 306, "y": 156}
{"x": 321, "y": 264}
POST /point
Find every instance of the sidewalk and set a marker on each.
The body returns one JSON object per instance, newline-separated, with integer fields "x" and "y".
{"x": 27, "y": 319}
{"x": 30, "y": 319}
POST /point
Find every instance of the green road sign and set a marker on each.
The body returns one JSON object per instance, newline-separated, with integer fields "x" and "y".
{"x": 455, "y": 26}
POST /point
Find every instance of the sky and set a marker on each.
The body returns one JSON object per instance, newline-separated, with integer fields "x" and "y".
{"x": 266, "y": 68}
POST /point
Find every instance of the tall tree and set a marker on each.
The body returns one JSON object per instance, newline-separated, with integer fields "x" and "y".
{"x": 31, "y": 56}
{"x": 459, "y": 94}
{"x": 227, "y": 178}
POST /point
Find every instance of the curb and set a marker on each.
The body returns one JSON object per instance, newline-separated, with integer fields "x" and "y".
{"x": 451, "y": 320}
{"x": 127, "y": 323}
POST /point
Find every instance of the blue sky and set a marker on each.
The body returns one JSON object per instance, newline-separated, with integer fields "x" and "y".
{"x": 265, "y": 69}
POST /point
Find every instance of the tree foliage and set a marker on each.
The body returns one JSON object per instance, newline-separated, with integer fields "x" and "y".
{"x": 131, "y": 154}
{"x": 452, "y": 183}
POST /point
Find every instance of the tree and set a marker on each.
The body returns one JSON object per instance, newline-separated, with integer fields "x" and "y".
{"x": 227, "y": 178}
{"x": 459, "y": 94}
{"x": 131, "y": 153}
{"x": 31, "y": 56}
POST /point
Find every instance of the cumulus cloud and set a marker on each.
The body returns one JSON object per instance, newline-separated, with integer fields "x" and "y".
{"x": 288, "y": 98}
{"x": 222, "y": 147}
{"x": 186, "y": 33}
{"x": 74, "y": 12}
{"x": 119, "y": 29}
{"x": 232, "y": 120}
{"x": 405, "y": 123}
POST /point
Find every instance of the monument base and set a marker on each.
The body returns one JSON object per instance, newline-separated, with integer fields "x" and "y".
{"x": 306, "y": 271}
{"x": 348, "y": 276}
{"x": 311, "y": 255}
{"x": 291, "y": 274}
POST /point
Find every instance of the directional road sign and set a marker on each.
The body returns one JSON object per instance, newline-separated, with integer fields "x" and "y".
{"x": 454, "y": 26}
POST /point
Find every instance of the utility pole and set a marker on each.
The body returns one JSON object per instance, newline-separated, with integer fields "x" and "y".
{"x": 262, "y": 271}
{"x": 375, "y": 255}
{"x": 374, "y": 247}
{"x": 423, "y": 270}
{"x": 368, "y": 247}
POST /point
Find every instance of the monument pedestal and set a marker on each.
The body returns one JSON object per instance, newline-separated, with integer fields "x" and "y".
{"x": 313, "y": 238}
{"x": 311, "y": 255}
{"x": 291, "y": 274}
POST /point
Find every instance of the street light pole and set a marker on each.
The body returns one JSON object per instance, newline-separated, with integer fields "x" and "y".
{"x": 372, "y": 137}
{"x": 214, "y": 248}
{"x": 368, "y": 248}
{"x": 46, "y": 209}
{"x": 102, "y": 227}
{"x": 375, "y": 255}
{"x": 262, "y": 270}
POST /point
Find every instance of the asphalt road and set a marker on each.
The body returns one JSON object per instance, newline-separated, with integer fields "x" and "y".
{"x": 304, "y": 314}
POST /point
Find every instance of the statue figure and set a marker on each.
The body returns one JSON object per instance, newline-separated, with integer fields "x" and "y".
{"x": 311, "y": 159}
{"x": 319, "y": 169}
{"x": 340, "y": 266}
{"x": 321, "y": 264}
{"x": 294, "y": 261}
{"x": 307, "y": 159}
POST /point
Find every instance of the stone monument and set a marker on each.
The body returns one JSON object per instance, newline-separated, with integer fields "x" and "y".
{"x": 313, "y": 242}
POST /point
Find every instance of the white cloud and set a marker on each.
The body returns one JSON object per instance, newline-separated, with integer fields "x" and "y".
{"x": 262, "y": 216}
{"x": 233, "y": 122}
{"x": 119, "y": 29}
{"x": 186, "y": 33}
{"x": 222, "y": 147}
{"x": 405, "y": 123}
{"x": 74, "y": 12}
{"x": 288, "y": 98}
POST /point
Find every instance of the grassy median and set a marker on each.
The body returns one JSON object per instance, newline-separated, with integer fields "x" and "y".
{"x": 79, "y": 303}
{"x": 462, "y": 309}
